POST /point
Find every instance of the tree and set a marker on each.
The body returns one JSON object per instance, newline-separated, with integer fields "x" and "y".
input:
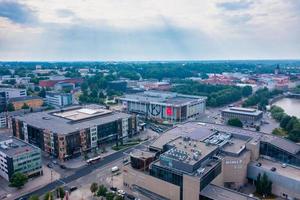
{"x": 118, "y": 197}
{"x": 48, "y": 196}
{"x": 294, "y": 135}
{"x": 235, "y": 122}
{"x": 110, "y": 196}
{"x": 60, "y": 192}
{"x": 42, "y": 93}
{"x": 10, "y": 107}
{"x": 25, "y": 106}
{"x": 247, "y": 91}
{"x": 284, "y": 121}
{"x": 34, "y": 197}
{"x": 18, "y": 180}
{"x": 94, "y": 188}
{"x": 257, "y": 128}
{"x": 263, "y": 185}
{"x": 101, "y": 191}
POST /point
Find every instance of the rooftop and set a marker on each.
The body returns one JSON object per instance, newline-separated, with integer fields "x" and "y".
{"x": 288, "y": 171}
{"x": 64, "y": 123}
{"x": 240, "y": 110}
{"x": 12, "y": 146}
{"x": 25, "y": 98}
{"x": 220, "y": 193}
{"x": 161, "y": 97}
{"x": 201, "y": 131}
{"x": 81, "y": 113}
{"x": 189, "y": 151}
{"x": 142, "y": 154}
{"x": 11, "y": 89}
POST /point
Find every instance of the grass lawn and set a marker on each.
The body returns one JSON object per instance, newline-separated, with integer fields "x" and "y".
{"x": 125, "y": 145}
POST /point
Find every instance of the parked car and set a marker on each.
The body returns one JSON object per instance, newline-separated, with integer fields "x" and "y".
{"x": 258, "y": 164}
{"x": 73, "y": 188}
{"x": 273, "y": 169}
{"x": 283, "y": 165}
{"x": 63, "y": 166}
{"x": 50, "y": 165}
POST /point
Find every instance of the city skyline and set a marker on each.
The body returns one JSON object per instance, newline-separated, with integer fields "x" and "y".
{"x": 148, "y": 30}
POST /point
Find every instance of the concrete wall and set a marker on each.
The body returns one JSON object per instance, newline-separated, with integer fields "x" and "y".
{"x": 34, "y": 103}
{"x": 235, "y": 169}
{"x": 133, "y": 177}
{"x": 191, "y": 187}
{"x": 253, "y": 147}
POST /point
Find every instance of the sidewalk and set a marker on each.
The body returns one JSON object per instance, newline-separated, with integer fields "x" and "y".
{"x": 31, "y": 185}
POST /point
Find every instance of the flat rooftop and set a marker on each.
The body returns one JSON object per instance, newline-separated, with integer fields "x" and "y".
{"x": 201, "y": 131}
{"x": 288, "y": 171}
{"x": 137, "y": 153}
{"x": 240, "y": 110}
{"x": 189, "y": 151}
{"x": 65, "y": 124}
{"x": 220, "y": 193}
{"x": 12, "y": 146}
{"x": 81, "y": 113}
{"x": 25, "y": 98}
{"x": 161, "y": 97}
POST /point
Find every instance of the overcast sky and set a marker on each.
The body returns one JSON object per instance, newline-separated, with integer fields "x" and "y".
{"x": 70, "y": 30}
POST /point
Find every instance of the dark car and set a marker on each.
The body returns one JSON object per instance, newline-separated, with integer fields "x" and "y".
{"x": 113, "y": 189}
{"x": 63, "y": 167}
{"x": 50, "y": 165}
{"x": 273, "y": 169}
{"x": 258, "y": 164}
{"x": 73, "y": 188}
{"x": 130, "y": 197}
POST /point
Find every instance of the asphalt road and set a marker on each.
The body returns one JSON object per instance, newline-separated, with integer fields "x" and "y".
{"x": 81, "y": 172}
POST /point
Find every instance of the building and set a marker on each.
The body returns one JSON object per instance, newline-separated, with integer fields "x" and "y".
{"x": 164, "y": 106}
{"x": 51, "y": 83}
{"x": 19, "y": 156}
{"x": 246, "y": 115}
{"x": 7, "y": 93}
{"x": 58, "y": 99}
{"x": 31, "y": 101}
{"x": 199, "y": 160}
{"x": 69, "y": 132}
{"x": 64, "y": 86}
{"x": 119, "y": 85}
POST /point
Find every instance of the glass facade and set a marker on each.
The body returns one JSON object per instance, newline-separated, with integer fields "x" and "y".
{"x": 211, "y": 175}
{"x": 270, "y": 150}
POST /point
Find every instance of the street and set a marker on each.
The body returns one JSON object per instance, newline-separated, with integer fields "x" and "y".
{"x": 84, "y": 171}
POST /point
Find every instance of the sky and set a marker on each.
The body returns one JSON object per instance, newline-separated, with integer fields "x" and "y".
{"x": 124, "y": 30}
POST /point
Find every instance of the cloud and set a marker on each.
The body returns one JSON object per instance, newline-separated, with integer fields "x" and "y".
{"x": 235, "y": 5}
{"x": 65, "y": 13}
{"x": 16, "y": 12}
{"x": 148, "y": 30}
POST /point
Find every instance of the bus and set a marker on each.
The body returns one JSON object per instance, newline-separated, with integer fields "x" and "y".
{"x": 93, "y": 160}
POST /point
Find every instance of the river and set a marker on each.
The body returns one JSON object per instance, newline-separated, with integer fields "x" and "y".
{"x": 291, "y": 106}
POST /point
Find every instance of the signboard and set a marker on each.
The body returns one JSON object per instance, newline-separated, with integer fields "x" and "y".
{"x": 169, "y": 111}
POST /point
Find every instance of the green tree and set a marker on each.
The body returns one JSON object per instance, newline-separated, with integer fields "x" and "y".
{"x": 18, "y": 180}
{"x": 34, "y": 197}
{"x": 48, "y": 196}
{"x": 294, "y": 135}
{"x": 247, "y": 91}
{"x": 10, "y": 107}
{"x": 118, "y": 197}
{"x": 101, "y": 191}
{"x": 235, "y": 122}
{"x": 60, "y": 192}
{"x": 110, "y": 196}
{"x": 25, "y": 106}
{"x": 263, "y": 185}
{"x": 42, "y": 93}
{"x": 94, "y": 188}
{"x": 284, "y": 121}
